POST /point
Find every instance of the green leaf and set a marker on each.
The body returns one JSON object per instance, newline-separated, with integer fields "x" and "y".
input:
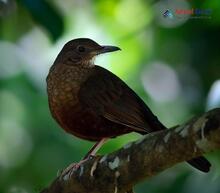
{"x": 46, "y": 15}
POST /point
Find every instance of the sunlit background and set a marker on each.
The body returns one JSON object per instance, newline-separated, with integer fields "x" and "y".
{"x": 171, "y": 60}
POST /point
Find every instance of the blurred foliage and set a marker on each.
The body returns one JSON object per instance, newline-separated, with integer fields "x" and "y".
{"x": 45, "y": 15}
{"x": 173, "y": 64}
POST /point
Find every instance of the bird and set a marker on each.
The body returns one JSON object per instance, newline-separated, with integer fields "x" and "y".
{"x": 92, "y": 103}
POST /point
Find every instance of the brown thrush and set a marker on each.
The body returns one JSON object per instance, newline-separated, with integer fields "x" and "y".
{"x": 92, "y": 103}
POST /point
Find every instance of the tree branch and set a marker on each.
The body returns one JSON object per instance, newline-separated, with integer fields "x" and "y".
{"x": 119, "y": 171}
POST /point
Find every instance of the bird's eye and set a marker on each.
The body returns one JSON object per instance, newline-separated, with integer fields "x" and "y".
{"x": 81, "y": 49}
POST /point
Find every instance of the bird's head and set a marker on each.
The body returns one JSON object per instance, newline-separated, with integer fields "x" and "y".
{"x": 82, "y": 51}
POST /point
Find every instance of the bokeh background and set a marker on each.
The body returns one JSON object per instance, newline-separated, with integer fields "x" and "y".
{"x": 171, "y": 61}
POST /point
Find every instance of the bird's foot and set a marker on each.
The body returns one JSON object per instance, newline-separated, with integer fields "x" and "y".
{"x": 67, "y": 172}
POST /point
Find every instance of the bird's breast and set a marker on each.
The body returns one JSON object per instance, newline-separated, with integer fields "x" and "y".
{"x": 63, "y": 85}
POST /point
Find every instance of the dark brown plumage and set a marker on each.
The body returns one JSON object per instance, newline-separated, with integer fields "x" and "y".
{"x": 92, "y": 103}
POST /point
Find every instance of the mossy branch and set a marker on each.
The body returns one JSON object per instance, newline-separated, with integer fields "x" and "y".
{"x": 119, "y": 171}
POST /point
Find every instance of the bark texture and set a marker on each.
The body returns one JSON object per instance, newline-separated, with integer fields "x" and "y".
{"x": 119, "y": 171}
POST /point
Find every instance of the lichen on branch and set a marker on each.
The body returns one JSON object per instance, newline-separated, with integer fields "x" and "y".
{"x": 119, "y": 171}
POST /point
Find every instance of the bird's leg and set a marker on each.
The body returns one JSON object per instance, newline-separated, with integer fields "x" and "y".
{"x": 92, "y": 152}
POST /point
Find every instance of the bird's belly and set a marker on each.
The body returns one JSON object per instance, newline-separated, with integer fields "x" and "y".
{"x": 86, "y": 124}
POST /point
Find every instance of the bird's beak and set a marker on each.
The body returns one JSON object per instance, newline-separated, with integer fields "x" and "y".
{"x": 105, "y": 49}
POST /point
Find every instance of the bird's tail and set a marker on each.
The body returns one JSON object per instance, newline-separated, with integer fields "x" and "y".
{"x": 200, "y": 163}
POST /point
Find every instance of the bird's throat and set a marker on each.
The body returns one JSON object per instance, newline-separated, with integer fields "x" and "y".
{"x": 88, "y": 63}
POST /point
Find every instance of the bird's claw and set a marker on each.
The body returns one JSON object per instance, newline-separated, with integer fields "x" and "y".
{"x": 67, "y": 172}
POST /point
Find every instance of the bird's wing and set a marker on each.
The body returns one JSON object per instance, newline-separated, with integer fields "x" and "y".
{"x": 111, "y": 98}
